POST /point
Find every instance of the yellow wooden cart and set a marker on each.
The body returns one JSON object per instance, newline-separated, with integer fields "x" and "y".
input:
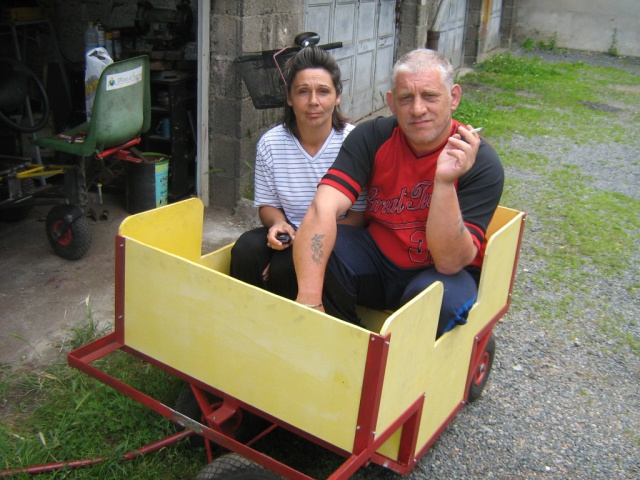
{"x": 380, "y": 394}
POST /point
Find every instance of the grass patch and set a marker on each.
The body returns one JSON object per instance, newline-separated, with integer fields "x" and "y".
{"x": 60, "y": 414}
{"x": 583, "y": 236}
{"x": 509, "y": 94}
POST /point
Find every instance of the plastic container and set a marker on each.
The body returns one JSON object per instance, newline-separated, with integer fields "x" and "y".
{"x": 90, "y": 36}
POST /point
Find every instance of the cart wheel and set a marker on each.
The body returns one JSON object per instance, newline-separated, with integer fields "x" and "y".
{"x": 68, "y": 231}
{"x": 247, "y": 425}
{"x": 235, "y": 467}
{"x": 188, "y": 406}
{"x": 481, "y": 374}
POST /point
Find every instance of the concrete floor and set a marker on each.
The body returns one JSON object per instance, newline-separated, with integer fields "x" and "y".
{"x": 43, "y": 297}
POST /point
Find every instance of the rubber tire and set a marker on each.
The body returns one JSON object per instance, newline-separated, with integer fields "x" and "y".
{"x": 481, "y": 375}
{"x": 232, "y": 466}
{"x": 75, "y": 243}
{"x": 22, "y": 70}
{"x": 187, "y": 404}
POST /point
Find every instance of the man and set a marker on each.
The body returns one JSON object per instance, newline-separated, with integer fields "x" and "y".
{"x": 433, "y": 186}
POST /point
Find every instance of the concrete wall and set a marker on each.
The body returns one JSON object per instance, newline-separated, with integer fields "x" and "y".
{"x": 235, "y": 126}
{"x": 582, "y": 24}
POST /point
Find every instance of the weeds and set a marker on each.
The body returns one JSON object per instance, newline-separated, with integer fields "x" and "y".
{"x": 583, "y": 236}
{"x": 61, "y": 414}
{"x": 613, "y": 49}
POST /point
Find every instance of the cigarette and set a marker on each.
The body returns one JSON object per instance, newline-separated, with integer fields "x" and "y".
{"x": 478, "y": 129}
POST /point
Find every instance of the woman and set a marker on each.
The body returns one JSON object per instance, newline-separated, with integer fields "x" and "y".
{"x": 291, "y": 159}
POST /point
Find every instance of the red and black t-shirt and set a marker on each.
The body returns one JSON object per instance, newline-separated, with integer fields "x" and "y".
{"x": 377, "y": 157}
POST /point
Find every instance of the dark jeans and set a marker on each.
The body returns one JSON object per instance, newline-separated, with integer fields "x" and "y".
{"x": 359, "y": 273}
{"x": 250, "y": 256}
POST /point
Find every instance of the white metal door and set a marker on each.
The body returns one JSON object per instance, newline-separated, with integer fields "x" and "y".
{"x": 493, "y": 35}
{"x": 366, "y": 29}
{"x": 452, "y": 31}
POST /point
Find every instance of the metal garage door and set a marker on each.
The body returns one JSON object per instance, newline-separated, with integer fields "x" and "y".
{"x": 493, "y": 36}
{"x": 450, "y": 22}
{"x": 367, "y": 31}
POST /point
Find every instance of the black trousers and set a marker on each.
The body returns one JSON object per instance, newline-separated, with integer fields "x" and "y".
{"x": 250, "y": 256}
{"x": 359, "y": 273}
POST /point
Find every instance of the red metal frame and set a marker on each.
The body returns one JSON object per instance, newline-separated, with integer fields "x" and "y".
{"x": 366, "y": 441}
{"x": 120, "y": 153}
{"x": 215, "y": 431}
{"x": 50, "y": 467}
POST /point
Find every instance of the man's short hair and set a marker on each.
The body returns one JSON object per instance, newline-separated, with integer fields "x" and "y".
{"x": 420, "y": 60}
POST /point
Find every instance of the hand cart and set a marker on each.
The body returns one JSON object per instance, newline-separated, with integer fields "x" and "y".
{"x": 380, "y": 394}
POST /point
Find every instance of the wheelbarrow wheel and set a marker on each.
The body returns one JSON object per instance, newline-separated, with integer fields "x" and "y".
{"x": 68, "y": 231}
{"x": 481, "y": 375}
{"x": 235, "y": 467}
{"x": 187, "y": 404}
{"x": 246, "y": 426}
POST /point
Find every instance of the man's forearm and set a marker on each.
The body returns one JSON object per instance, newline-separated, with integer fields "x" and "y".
{"x": 449, "y": 241}
{"x": 311, "y": 250}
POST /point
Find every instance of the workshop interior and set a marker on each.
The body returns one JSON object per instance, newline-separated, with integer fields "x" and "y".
{"x": 94, "y": 103}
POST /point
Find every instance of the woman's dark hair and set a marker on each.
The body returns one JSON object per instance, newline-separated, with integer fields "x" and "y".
{"x": 312, "y": 57}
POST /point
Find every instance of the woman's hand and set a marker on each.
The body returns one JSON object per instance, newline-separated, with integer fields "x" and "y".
{"x": 276, "y": 238}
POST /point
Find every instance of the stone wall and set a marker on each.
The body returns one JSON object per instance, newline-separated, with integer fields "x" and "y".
{"x": 593, "y": 26}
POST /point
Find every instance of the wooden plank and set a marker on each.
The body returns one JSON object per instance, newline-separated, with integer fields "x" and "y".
{"x": 295, "y": 363}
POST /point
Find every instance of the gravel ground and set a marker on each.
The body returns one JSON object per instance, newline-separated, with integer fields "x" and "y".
{"x": 556, "y": 406}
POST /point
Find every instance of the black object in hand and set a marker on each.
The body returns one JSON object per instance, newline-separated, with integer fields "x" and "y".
{"x": 283, "y": 237}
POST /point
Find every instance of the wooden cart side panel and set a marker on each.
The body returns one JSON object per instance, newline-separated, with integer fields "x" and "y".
{"x": 175, "y": 228}
{"x": 446, "y": 361}
{"x": 220, "y": 260}
{"x": 409, "y": 363}
{"x": 498, "y": 267}
{"x": 299, "y": 365}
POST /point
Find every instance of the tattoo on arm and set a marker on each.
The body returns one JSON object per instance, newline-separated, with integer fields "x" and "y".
{"x": 316, "y": 248}
{"x": 461, "y": 228}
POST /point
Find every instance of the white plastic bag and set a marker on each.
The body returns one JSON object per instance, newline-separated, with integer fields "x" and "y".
{"x": 96, "y": 61}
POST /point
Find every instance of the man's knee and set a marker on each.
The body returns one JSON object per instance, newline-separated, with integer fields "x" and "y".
{"x": 460, "y": 293}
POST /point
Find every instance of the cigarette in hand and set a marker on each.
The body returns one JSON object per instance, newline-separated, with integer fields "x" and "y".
{"x": 478, "y": 129}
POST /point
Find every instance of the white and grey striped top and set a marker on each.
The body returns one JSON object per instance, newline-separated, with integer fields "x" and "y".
{"x": 287, "y": 177}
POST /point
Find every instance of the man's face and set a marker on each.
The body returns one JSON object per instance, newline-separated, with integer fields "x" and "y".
{"x": 423, "y": 106}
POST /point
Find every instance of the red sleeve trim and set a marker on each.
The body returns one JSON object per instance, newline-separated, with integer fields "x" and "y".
{"x": 343, "y": 183}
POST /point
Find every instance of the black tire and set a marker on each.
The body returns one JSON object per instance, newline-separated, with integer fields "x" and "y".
{"x": 247, "y": 425}
{"x": 68, "y": 231}
{"x": 15, "y": 89}
{"x": 481, "y": 375}
{"x": 187, "y": 404}
{"x": 235, "y": 467}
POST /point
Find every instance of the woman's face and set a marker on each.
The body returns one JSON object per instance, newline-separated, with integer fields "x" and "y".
{"x": 313, "y": 98}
